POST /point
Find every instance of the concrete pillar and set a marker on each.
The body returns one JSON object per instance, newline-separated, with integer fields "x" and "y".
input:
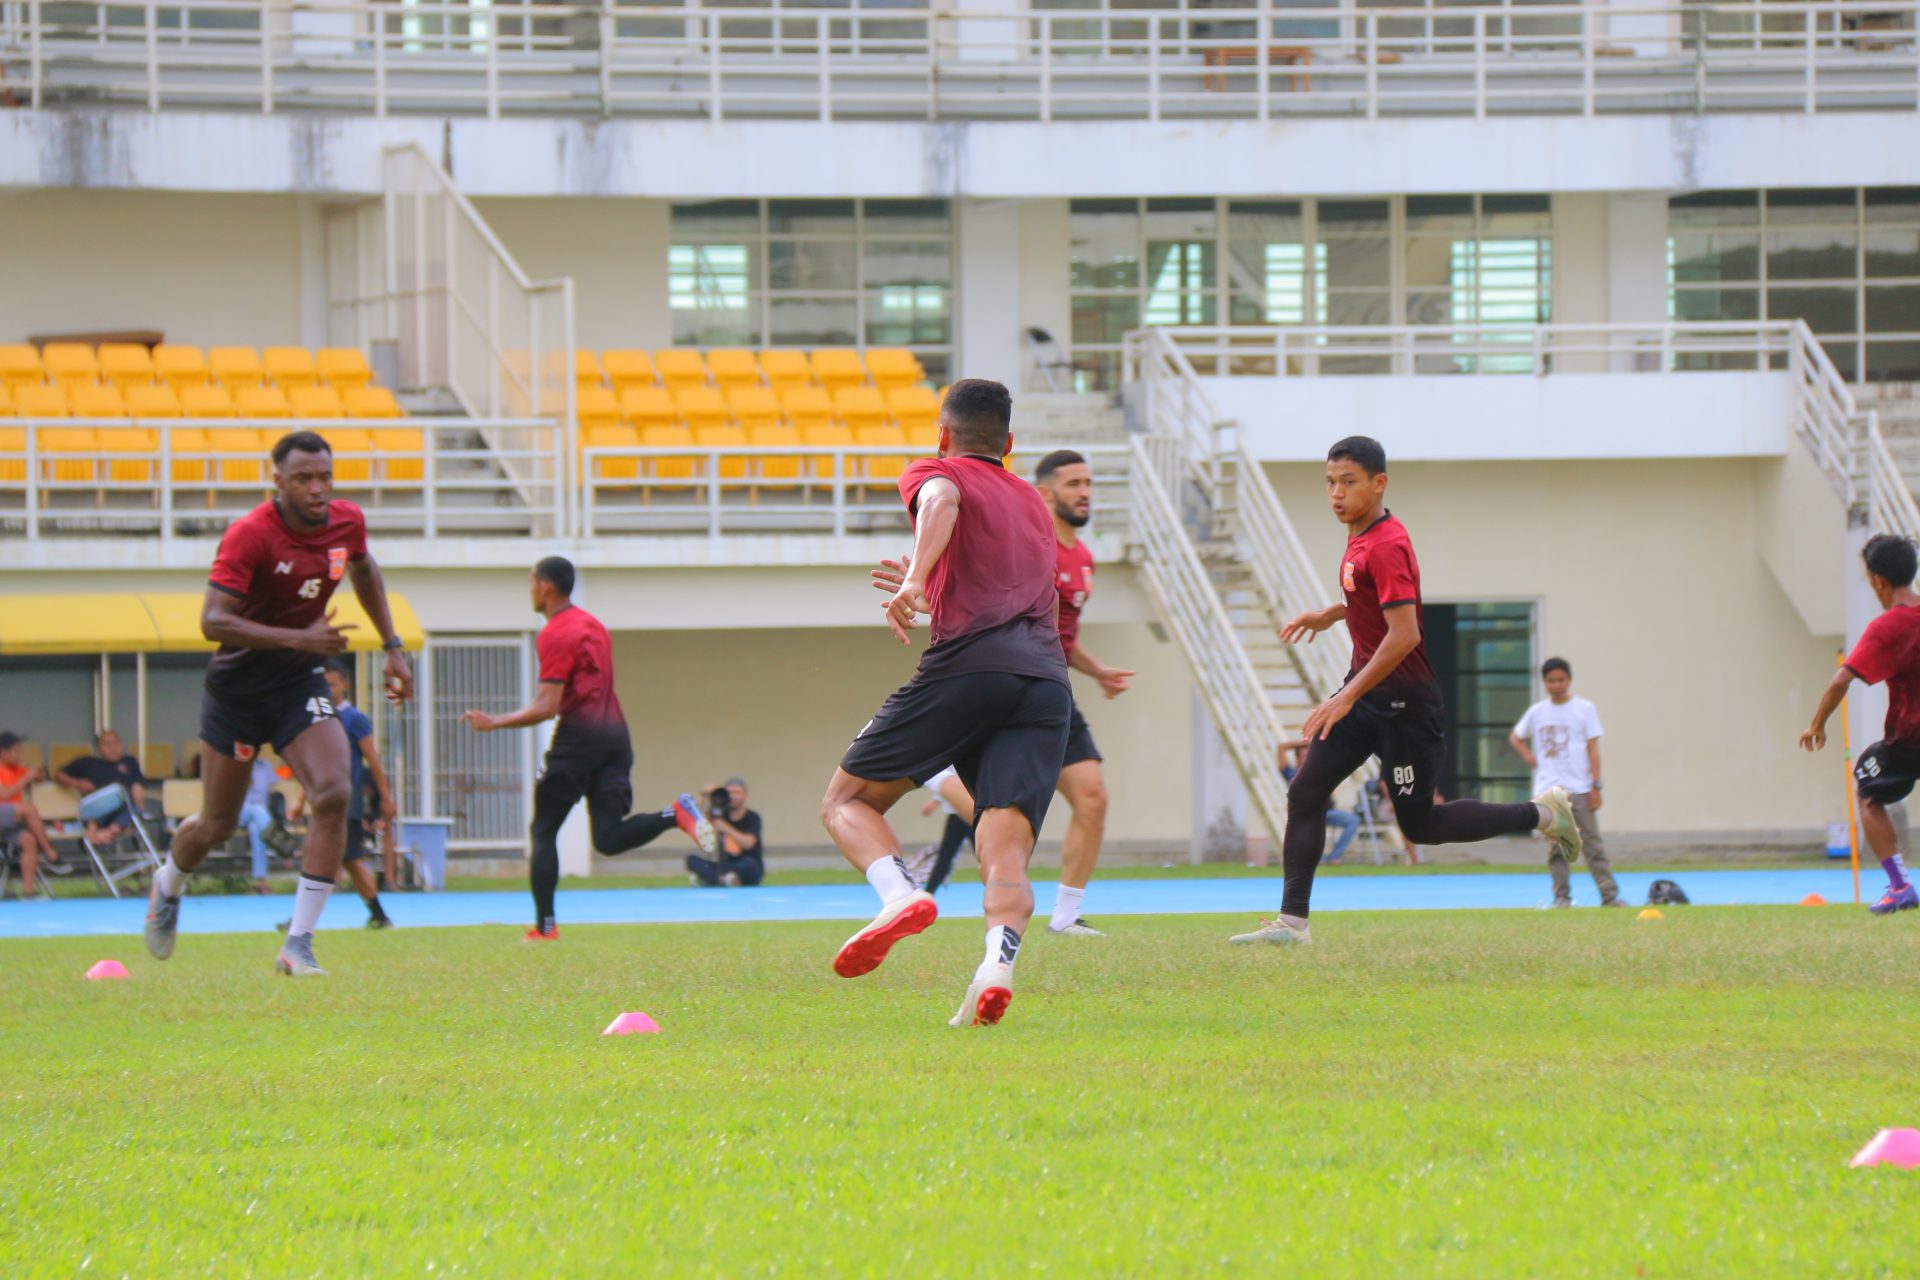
{"x": 1580, "y": 272}
{"x": 1220, "y": 805}
{"x": 1045, "y": 301}
{"x": 987, "y": 289}
{"x": 1636, "y": 264}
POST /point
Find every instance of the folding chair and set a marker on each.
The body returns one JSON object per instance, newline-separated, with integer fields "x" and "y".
{"x": 97, "y": 806}
{"x": 10, "y": 861}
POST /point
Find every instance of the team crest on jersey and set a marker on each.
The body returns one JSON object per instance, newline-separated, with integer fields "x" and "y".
{"x": 1346, "y": 576}
{"x": 242, "y": 752}
{"x": 336, "y": 562}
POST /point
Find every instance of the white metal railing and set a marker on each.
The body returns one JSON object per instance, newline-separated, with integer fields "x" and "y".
{"x": 705, "y": 60}
{"x": 166, "y": 479}
{"x": 1266, "y": 541}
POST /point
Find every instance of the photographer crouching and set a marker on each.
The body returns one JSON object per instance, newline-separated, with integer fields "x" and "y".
{"x": 742, "y": 858}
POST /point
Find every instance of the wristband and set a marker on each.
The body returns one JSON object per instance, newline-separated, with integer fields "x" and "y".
{"x": 393, "y": 644}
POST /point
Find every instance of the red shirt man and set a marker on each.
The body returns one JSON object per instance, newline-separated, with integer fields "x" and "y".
{"x": 576, "y": 654}
{"x": 1378, "y": 572}
{"x": 283, "y": 577}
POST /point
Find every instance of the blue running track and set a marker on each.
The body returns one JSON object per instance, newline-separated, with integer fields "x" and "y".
{"x": 248, "y": 914}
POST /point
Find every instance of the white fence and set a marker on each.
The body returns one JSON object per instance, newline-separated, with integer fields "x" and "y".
{"x": 703, "y": 60}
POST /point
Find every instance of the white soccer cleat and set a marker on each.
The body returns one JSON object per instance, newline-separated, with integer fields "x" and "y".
{"x": 1079, "y": 928}
{"x": 863, "y": 952}
{"x": 1281, "y": 930}
{"x": 296, "y": 958}
{"x": 1562, "y": 830}
{"x": 987, "y": 998}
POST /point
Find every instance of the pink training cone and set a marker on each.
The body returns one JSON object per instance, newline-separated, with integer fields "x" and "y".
{"x": 628, "y": 1024}
{"x": 107, "y": 969}
{"x": 1899, "y": 1147}
{"x": 1813, "y": 900}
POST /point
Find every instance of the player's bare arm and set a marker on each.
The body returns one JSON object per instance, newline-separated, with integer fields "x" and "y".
{"x": 1403, "y": 637}
{"x": 221, "y": 623}
{"x": 1114, "y": 681}
{"x": 370, "y": 588}
{"x": 890, "y": 574}
{"x": 371, "y": 754}
{"x": 1816, "y": 735}
{"x": 1305, "y": 626}
{"x": 937, "y": 511}
{"x": 545, "y": 706}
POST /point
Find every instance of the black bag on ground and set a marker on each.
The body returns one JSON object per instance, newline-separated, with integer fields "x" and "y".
{"x": 1665, "y": 893}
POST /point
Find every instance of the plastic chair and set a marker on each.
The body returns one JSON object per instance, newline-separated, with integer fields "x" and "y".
{"x": 646, "y": 407}
{"x": 56, "y": 441}
{"x": 344, "y": 369}
{"x": 917, "y": 410}
{"x": 829, "y": 435}
{"x": 680, "y": 368}
{"x": 586, "y": 371}
{"x": 700, "y": 407}
{"x": 774, "y": 467}
{"x": 754, "y": 407}
{"x": 786, "y": 368}
{"x": 41, "y": 400}
{"x": 289, "y": 368}
{"x": 156, "y": 760}
{"x": 69, "y": 363}
{"x": 346, "y": 443}
{"x": 629, "y": 368}
{"x": 261, "y": 402}
{"x": 13, "y": 440}
{"x": 179, "y": 366}
{"x": 188, "y": 441}
{"x": 96, "y": 400}
{"x": 670, "y": 468}
{"x": 20, "y": 363}
{"x": 837, "y": 367}
{"x": 235, "y": 367}
{"x": 371, "y": 402}
{"x": 403, "y": 452}
{"x": 125, "y": 364}
{"x": 596, "y": 408}
{"x": 884, "y": 471}
{"x": 140, "y": 443}
{"x": 860, "y": 407}
{"x": 154, "y": 400}
{"x": 732, "y": 367}
{"x": 894, "y": 367}
{"x": 724, "y": 436}
{"x": 807, "y": 407}
{"x": 316, "y": 402}
{"x": 243, "y": 452}
{"x": 206, "y": 401}
{"x": 613, "y": 435}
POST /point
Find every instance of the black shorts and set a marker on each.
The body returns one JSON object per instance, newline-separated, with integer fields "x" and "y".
{"x": 1407, "y": 732}
{"x": 240, "y": 726}
{"x": 1080, "y": 748}
{"x": 1887, "y": 771}
{"x": 603, "y": 778}
{"x": 356, "y": 841}
{"x": 1006, "y": 735}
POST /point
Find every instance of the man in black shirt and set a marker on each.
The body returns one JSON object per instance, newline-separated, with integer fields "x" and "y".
{"x": 108, "y": 764}
{"x": 742, "y": 859}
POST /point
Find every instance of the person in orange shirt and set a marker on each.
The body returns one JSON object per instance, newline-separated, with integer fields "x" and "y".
{"x": 18, "y": 814}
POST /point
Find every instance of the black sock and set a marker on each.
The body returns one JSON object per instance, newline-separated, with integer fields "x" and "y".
{"x": 374, "y": 908}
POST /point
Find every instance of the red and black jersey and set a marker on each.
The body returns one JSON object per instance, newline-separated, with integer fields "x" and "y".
{"x": 1889, "y": 651}
{"x": 576, "y": 653}
{"x": 1377, "y": 572}
{"x": 1073, "y": 578}
{"x": 282, "y": 577}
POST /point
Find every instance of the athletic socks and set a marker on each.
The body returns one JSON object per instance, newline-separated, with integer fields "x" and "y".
{"x": 1066, "y": 907}
{"x": 1896, "y": 868}
{"x": 890, "y": 880}
{"x": 309, "y": 900}
{"x": 172, "y": 880}
{"x": 374, "y": 910}
{"x": 1003, "y": 947}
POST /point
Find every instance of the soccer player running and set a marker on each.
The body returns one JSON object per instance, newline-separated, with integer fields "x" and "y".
{"x": 266, "y": 607}
{"x": 1390, "y": 705}
{"x": 990, "y": 695}
{"x": 591, "y": 754}
{"x": 1888, "y": 650}
{"x": 366, "y": 768}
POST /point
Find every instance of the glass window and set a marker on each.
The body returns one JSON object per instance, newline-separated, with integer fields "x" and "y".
{"x": 1482, "y": 655}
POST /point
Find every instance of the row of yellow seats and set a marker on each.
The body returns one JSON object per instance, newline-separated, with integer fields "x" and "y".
{"x": 678, "y": 369}
{"x": 914, "y": 409}
{"x": 94, "y": 400}
{"x": 132, "y": 364}
{"x": 879, "y": 469}
{"x": 240, "y": 454}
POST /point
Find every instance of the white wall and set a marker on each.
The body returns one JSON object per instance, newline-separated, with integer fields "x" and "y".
{"x": 616, "y": 252}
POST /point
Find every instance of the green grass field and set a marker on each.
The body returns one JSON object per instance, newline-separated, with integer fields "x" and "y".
{"x": 1419, "y": 1093}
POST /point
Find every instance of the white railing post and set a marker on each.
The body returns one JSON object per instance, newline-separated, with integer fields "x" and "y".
{"x": 34, "y": 56}
{"x": 380, "y": 65}
{"x": 826, "y": 66}
{"x": 1153, "y": 68}
{"x": 33, "y": 479}
{"x": 1263, "y": 58}
{"x": 1479, "y": 64}
{"x": 153, "y": 58}
{"x": 1588, "y": 16}
{"x": 607, "y": 37}
{"x": 166, "y": 483}
{"x": 1373, "y": 66}
{"x": 713, "y": 493}
{"x": 486, "y": 17}
{"x": 431, "y": 508}
{"x": 713, "y": 67}
{"x": 1046, "y": 68}
{"x": 1809, "y": 87}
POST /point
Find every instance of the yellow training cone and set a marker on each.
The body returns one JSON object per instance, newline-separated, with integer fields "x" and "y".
{"x": 1651, "y": 913}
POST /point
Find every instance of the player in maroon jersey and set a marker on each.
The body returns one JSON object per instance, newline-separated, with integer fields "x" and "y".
{"x": 591, "y": 754}
{"x": 266, "y": 607}
{"x": 1888, "y": 650}
{"x": 990, "y": 695}
{"x": 1390, "y": 705}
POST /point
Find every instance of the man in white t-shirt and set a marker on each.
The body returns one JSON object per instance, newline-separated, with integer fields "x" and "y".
{"x": 1559, "y": 738}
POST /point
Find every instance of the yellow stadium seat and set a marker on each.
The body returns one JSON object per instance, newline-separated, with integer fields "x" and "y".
{"x": 627, "y": 369}
{"x": 261, "y": 402}
{"x": 680, "y": 369}
{"x": 70, "y": 362}
{"x": 352, "y": 449}
{"x": 596, "y": 407}
{"x": 724, "y": 436}
{"x": 179, "y": 366}
{"x": 342, "y": 368}
{"x": 19, "y": 363}
{"x": 235, "y": 367}
{"x": 613, "y": 435}
{"x": 754, "y": 407}
{"x": 55, "y": 441}
{"x": 371, "y": 402}
{"x": 289, "y": 367}
{"x": 403, "y": 452}
{"x": 586, "y": 370}
{"x": 316, "y": 402}
{"x": 645, "y": 407}
{"x": 860, "y": 407}
{"x": 187, "y": 441}
{"x": 13, "y": 449}
{"x": 243, "y": 452}
{"x": 829, "y": 435}
{"x": 206, "y": 401}
{"x": 125, "y": 364}
{"x": 154, "y": 400}
{"x": 786, "y": 368}
{"x": 894, "y": 367}
{"x": 837, "y": 367}
{"x": 138, "y": 441}
{"x": 6, "y": 400}
{"x": 807, "y": 407}
{"x": 96, "y": 400}
{"x": 62, "y": 754}
{"x": 917, "y": 410}
{"x": 776, "y": 436}
{"x": 669, "y": 437}
{"x": 734, "y": 368}
{"x": 41, "y": 400}
{"x": 883, "y": 470}
{"x": 700, "y": 407}
{"x": 156, "y": 760}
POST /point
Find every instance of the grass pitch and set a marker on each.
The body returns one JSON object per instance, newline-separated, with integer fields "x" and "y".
{"x": 1418, "y": 1093}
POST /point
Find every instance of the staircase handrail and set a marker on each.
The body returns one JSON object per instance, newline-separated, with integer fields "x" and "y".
{"x": 1178, "y": 405}
{"x": 1284, "y": 574}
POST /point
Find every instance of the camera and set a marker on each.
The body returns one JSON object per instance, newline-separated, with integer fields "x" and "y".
{"x": 718, "y": 803}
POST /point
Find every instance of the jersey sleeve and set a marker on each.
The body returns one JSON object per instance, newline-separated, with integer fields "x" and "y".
{"x": 358, "y": 727}
{"x": 556, "y": 656}
{"x": 1871, "y": 658}
{"x": 1593, "y": 722}
{"x": 916, "y": 475}
{"x": 1395, "y": 580}
{"x": 356, "y": 531}
{"x": 1525, "y": 728}
{"x": 233, "y": 563}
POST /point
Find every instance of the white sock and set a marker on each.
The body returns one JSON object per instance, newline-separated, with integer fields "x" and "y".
{"x": 1546, "y": 817}
{"x": 309, "y": 900}
{"x": 1066, "y": 907}
{"x": 890, "y": 880}
{"x": 172, "y": 880}
{"x": 1003, "y": 946}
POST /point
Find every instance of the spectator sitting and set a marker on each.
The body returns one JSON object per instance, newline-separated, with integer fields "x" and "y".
{"x": 256, "y": 817}
{"x": 107, "y": 766}
{"x": 742, "y": 859}
{"x": 1345, "y": 821}
{"x": 17, "y": 813}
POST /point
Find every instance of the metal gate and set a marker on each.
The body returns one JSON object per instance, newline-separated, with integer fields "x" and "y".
{"x": 482, "y": 781}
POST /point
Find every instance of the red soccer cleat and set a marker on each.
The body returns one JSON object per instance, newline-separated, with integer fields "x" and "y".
{"x": 541, "y": 935}
{"x": 864, "y": 951}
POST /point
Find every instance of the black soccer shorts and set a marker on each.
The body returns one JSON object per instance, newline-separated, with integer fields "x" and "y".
{"x": 1887, "y": 771}
{"x": 1080, "y": 748}
{"x": 240, "y": 726}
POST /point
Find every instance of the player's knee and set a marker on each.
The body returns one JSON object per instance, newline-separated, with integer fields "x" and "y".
{"x": 217, "y": 828}
{"x": 1304, "y": 797}
{"x": 1090, "y": 802}
{"x": 328, "y": 800}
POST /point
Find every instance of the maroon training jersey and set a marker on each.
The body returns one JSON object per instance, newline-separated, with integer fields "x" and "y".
{"x": 1889, "y": 650}
{"x": 994, "y": 602}
{"x": 1378, "y": 571}
{"x": 576, "y": 652}
{"x": 1073, "y": 578}
{"x": 282, "y": 577}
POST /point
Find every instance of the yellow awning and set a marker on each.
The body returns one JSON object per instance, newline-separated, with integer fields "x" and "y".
{"x": 160, "y": 623}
